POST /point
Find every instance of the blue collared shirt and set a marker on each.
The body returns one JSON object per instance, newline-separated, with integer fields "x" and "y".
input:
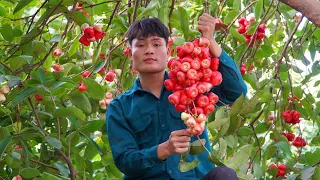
{"x": 138, "y": 121}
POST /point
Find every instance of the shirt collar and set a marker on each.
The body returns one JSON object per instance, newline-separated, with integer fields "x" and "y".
{"x": 137, "y": 86}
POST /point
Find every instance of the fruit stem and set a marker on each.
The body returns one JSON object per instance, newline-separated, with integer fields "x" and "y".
{"x": 203, "y": 145}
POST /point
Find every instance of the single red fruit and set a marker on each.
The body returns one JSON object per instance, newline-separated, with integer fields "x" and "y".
{"x": 213, "y": 98}
{"x": 110, "y": 76}
{"x": 243, "y": 70}
{"x": 84, "y": 40}
{"x": 126, "y": 51}
{"x": 89, "y": 32}
{"x": 202, "y": 101}
{"x": 207, "y": 73}
{"x": 181, "y": 76}
{"x": 205, "y": 63}
{"x": 174, "y": 98}
{"x": 38, "y": 97}
{"x": 188, "y": 47}
{"x": 197, "y": 110}
{"x": 196, "y": 51}
{"x": 201, "y": 88}
{"x": 185, "y": 66}
{"x": 208, "y": 109}
{"x": 85, "y": 74}
{"x": 169, "y": 84}
{"x": 180, "y": 107}
{"x": 191, "y": 92}
{"x": 195, "y": 64}
{"x": 262, "y": 28}
{"x": 204, "y": 42}
{"x": 242, "y": 20}
{"x": 192, "y": 74}
{"x": 216, "y": 78}
{"x": 57, "y": 52}
{"x": 214, "y": 65}
{"x": 82, "y": 87}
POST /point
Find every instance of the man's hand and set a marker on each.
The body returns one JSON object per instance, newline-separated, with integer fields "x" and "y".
{"x": 206, "y": 25}
{"x": 178, "y": 143}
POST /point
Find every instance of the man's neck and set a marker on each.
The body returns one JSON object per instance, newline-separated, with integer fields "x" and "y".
{"x": 152, "y": 82}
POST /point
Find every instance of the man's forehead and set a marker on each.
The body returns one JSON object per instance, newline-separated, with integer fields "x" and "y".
{"x": 152, "y": 37}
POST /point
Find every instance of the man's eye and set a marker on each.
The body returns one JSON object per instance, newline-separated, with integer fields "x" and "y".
{"x": 157, "y": 45}
{"x": 140, "y": 45}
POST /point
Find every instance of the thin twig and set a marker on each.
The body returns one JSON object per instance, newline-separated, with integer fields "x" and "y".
{"x": 113, "y": 13}
{"x": 287, "y": 45}
{"x": 43, "y": 164}
{"x": 136, "y": 6}
{"x": 34, "y": 15}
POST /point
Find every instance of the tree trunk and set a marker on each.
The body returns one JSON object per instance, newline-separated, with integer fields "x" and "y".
{"x": 309, "y": 8}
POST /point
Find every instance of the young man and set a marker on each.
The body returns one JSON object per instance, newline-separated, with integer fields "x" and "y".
{"x": 146, "y": 133}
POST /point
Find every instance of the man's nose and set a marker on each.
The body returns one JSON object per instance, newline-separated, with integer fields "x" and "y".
{"x": 149, "y": 50}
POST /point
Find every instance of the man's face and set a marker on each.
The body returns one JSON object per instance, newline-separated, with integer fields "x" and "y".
{"x": 149, "y": 55}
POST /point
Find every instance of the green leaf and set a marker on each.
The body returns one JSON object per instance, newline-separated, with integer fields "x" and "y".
{"x": 54, "y": 142}
{"x": 306, "y": 173}
{"x": 284, "y": 147}
{"x": 316, "y": 174}
{"x": 55, "y": 38}
{"x": 7, "y": 32}
{"x": 94, "y": 89}
{"x": 262, "y": 128}
{"x": 151, "y": 6}
{"x": 252, "y": 27}
{"x": 236, "y": 35}
{"x": 25, "y": 93}
{"x": 74, "y": 46}
{"x": 69, "y": 111}
{"x": 4, "y": 143}
{"x": 240, "y": 158}
{"x": 258, "y": 9}
{"x": 64, "y": 170}
{"x": 187, "y": 166}
{"x": 217, "y": 124}
{"x": 196, "y": 147}
{"x": 230, "y": 141}
{"x": 249, "y": 106}
{"x": 184, "y": 21}
{"x": 29, "y": 173}
{"x": 92, "y": 142}
{"x": 215, "y": 160}
{"x": 81, "y": 101}
{"x": 257, "y": 170}
{"x": 251, "y": 79}
{"x": 245, "y": 131}
{"x": 163, "y": 15}
{"x": 237, "y": 106}
{"x": 92, "y": 126}
{"x": 270, "y": 151}
{"x": 222, "y": 148}
{"x": 98, "y": 66}
{"x": 21, "y": 4}
{"x": 231, "y": 15}
{"x": 78, "y": 18}
{"x": 3, "y": 11}
{"x": 107, "y": 159}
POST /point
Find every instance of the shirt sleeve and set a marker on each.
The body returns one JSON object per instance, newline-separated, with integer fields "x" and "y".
{"x": 125, "y": 151}
{"x": 232, "y": 85}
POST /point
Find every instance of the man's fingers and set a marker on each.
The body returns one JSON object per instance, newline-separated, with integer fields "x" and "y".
{"x": 182, "y": 132}
{"x": 181, "y": 150}
{"x": 181, "y": 139}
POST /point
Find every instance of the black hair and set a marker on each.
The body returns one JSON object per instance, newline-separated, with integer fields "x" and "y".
{"x": 146, "y": 27}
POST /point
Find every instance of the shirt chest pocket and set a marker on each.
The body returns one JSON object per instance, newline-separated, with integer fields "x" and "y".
{"x": 177, "y": 122}
{"x": 143, "y": 130}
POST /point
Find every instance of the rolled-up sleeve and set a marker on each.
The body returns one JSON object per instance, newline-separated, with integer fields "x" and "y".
{"x": 232, "y": 85}
{"x": 127, "y": 156}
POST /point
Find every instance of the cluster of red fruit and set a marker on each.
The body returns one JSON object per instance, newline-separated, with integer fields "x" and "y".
{"x": 91, "y": 34}
{"x": 191, "y": 77}
{"x": 291, "y": 117}
{"x": 281, "y": 169}
{"x": 106, "y": 101}
{"x": 296, "y": 141}
{"x": 243, "y": 69}
{"x": 244, "y": 27}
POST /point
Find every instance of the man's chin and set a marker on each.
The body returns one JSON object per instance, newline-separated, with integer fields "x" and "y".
{"x": 150, "y": 71}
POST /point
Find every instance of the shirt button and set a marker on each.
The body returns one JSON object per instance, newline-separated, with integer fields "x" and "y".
{"x": 163, "y": 125}
{"x": 169, "y": 171}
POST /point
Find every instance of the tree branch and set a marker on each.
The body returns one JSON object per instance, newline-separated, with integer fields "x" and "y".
{"x": 136, "y": 6}
{"x": 308, "y": 8}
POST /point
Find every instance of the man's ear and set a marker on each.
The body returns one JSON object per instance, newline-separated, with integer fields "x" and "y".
{"x": 168, "y": 51}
